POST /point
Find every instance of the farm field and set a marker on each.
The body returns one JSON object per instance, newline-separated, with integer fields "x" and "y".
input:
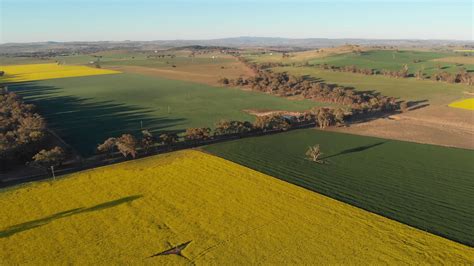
{"x": 168, "y": 62}
{"x": 204, "y": 70}
{"x": 128, "y": 212}
{"x": 464, "y": 104}
{"x": 85, "y": 111}
{"x": 441, "y": 125}
{"x": 432, "y": 120}
{"x": 277, "y": 57}
{"x": 428, "y": 187}
{"x": 457, "y": 59}
{"x": 405, "y": 89}
{"x": 394, "y": 60}
{"x": 105, "y": 57}
{"x": 17, "y": 60}
{"x": 208, "y": 74}
{"x": 119, "y": 57}
{"x": 32, "y": 72}
{"x": 75, "y": 59}
{"x": 236, "y": 132}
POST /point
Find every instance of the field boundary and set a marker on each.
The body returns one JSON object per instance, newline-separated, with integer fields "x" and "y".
{"x": 115, "y": 158}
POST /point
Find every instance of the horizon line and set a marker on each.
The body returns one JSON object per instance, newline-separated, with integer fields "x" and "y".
{"x": 237, "y": 37}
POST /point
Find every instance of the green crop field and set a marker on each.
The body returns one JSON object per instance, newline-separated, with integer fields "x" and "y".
{"x": 425, "y": 186}
{"x": 167, "y": 62}
{"x": 140, "y": 59}
{"x": 120, "y": 58}
{"x": 407, "y": 89}
{"x": 105, "y": 58}
{"x": 273, "y": 57}
{"x": 393, "y": 60}
{"x": 79, "y": 59}
{"x": 8, "y": 60}
{"x": 85, "y": 111}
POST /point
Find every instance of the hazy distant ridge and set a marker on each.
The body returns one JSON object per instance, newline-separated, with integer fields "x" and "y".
{"x": 228, "y": 42}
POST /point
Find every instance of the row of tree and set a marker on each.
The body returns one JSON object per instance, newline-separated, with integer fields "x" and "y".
{"x": 402, "y": 73}
{"x": 283, "y": 84}
{"x": 22, "y": 130}
{"x": 23, "y": 135}
{"x": 462, "y": 76}
{"x": 128, "y": 145}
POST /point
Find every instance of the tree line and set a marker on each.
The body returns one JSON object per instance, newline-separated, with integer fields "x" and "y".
{"x": 461, "y": 76}
{"x": 128, "y": 145}
{"x": 283, "y": 84}
{"x": 21, "y": 128}
{"x": 23, "y": 135}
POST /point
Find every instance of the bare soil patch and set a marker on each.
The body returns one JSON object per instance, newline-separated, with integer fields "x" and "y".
{"x": 457, "y": 59}
{"x": 203, "y": 73}
{"x": 323, "y": 52}
{"x": 438, "y": 125}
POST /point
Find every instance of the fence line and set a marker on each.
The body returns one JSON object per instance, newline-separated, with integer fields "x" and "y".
{"x": 104, "y": 160}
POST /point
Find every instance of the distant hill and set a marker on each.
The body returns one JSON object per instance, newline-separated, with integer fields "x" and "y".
{"x": 306, "y": 43}
{"x": 243, "y": 42}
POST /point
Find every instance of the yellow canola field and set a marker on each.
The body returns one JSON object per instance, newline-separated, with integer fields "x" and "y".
{"x": 464, "y": 104}
{"x": 125, "y": 213}
{"x": 31, "y": 72}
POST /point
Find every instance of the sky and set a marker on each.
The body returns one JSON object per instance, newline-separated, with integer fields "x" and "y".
{"x": 143, "y": 20}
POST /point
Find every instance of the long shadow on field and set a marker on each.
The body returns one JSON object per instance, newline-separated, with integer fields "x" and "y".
{"x": 5, "y": 80}
{"x": 85, "y": 122}
{"x": 356, "y": 149}
{"x": 14, "y": 229}
{"x": 312, "y": 78}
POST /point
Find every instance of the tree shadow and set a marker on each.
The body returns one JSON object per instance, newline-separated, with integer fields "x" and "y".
{"x": 313, "y": 79}
{"x": 18, "y": 228}
{"x": 367, "y": 91}
{"x": 356, "y": 149}
{"x": 9, "y": 79}
{"x": 176, "y": 250}
{"x": 414, "y": 105}
{"x": 419, "y": 107}
{"x": 85, "y": 122}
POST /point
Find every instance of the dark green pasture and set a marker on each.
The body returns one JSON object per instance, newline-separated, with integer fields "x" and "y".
{"x": 85, "y": 111}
